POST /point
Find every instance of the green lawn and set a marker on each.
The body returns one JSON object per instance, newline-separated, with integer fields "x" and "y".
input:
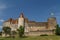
{"x": 34, "y": 38}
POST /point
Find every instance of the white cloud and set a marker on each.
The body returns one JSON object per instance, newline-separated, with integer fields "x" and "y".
{"x": 1, "y": 20}
{"x": 3, "y": 6}
{"x": 1, "y": 26}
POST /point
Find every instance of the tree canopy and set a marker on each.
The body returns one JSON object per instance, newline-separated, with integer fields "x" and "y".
{"x": 7, "y": 30}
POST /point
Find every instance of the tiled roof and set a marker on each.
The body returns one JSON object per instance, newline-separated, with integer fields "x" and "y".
{"x": 12, "y": 21}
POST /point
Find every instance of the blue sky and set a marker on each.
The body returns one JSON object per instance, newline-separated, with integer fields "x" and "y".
{"x": 37, "y": 10}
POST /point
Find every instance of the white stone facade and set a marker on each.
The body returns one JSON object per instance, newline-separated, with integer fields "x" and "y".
{"x": 20, "y": 22}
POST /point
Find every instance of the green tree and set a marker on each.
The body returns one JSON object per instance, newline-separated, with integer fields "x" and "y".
{"x": 7, "y": 30}
{"x": 0, "y": 33}
{"x": 21, "y": 31}
{"x": 57, "y": 30}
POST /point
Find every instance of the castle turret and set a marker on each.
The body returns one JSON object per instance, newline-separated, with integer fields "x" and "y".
{"x": 21, "y": 20}
{"x": 52, "y": 22}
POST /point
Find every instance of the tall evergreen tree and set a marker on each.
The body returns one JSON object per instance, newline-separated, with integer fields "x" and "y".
{"x": 21, "y": 31}
{"x": 57, "y": 30}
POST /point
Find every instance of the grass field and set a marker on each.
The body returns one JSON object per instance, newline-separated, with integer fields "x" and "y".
{"x": 34, "y": 38}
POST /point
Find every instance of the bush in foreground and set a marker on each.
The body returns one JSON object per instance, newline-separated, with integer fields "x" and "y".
{"x": 44, "y": 35}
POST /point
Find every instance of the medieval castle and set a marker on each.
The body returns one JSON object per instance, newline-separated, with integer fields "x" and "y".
{"x": 32, "y": 27}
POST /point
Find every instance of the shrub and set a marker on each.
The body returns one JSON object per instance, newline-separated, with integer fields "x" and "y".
{"x": 44, "y": 35}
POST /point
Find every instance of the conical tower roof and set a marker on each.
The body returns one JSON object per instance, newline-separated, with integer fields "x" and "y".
{"x": 21, "y": 15}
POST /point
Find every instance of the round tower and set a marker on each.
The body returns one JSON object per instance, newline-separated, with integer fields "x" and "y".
{"x": 21, "y": 20}
{"x": 52, "y": 22}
